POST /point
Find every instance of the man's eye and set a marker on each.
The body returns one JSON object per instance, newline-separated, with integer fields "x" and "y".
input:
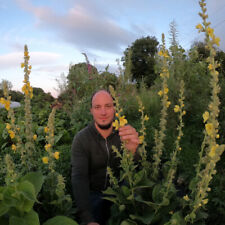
{"x": 97, "y": 107}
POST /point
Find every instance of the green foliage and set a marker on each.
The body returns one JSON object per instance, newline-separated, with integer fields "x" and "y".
{"x": 142, "y": 60}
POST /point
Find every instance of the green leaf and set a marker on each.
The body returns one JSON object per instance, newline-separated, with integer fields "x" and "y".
{"x": 110, "y": 191}
{"x": 128, "y": 222}
{"x": 27, "y": 190}
{"x": 139, "y": 198}
{"x": 146, "y": 219}
{"x": 35, "y": 178}
{"x": 30, "y": 218}
{"x": 60, "y": 220}
{"x": 157, "y": 193}
{"x": 3, "y": 209}
{"x": 125, "y": 190}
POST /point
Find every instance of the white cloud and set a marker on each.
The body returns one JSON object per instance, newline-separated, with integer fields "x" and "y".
{"x": 13, "y": 60}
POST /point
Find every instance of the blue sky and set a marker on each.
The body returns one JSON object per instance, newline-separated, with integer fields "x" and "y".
{"x": 57, "y": 32}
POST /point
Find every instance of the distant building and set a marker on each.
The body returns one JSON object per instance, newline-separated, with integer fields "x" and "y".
{"x": 12, "y": 105}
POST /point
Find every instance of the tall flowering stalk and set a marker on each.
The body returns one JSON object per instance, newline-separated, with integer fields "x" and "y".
{"x": 142, "y": 132}
{"x": 28, "y": 92}
{"x": 163, "y": 93}
{"x": 211, "y": 151}
{"x": 173, "y": 161}
{"x": 11, "y": 127}
{"x": 50, "y": 138}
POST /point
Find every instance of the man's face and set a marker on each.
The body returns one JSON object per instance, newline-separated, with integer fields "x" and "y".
{"x": 103, "y": 109}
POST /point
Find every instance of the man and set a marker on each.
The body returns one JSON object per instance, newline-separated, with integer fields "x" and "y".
{"x": 92, "y": 153}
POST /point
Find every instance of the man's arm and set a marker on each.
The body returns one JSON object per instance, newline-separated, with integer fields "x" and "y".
{"x": 80, "y": 180}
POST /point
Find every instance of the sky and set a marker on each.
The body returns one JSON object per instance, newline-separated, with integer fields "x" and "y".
{"x": 57, "y": 32}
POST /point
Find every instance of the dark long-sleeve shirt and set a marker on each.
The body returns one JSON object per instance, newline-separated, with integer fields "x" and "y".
{"x": 91, "y": 154}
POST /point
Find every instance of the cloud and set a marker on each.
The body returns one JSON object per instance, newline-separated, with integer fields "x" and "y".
{"x": 85, "y": 25}
{"x": 13, "y": 60}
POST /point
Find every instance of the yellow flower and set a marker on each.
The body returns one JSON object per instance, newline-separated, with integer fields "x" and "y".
{"x": 210, "y": 66}
{"x": 217, "y": 41}
{"x": 209, "y": 128}
{"x": 8, "y": 126}
{"x": 116, "y": 124}
{"x": 179, "y": 148}
{"x": 212, "y": 151}
{"x": 117, "y": 114}
{"x": 13, "y": 147}
{"x": 11, "y": 134}
{"x": 123, "y": 121}
{"x": 22, "y": 65}
{"x": 30, "y": 67}
{"x": 45, "y": 160}
{"x": 56, "y": 155}
{"x": 146, "y": 118}
{"x": 166, "y": 90}
{"x": 210, "y": 31}
{"x": 168, "y": 104}
{"x": 26, "y": 53}
{"x": 35, "y": 137}
{"x": 176, "y": 108}
{"x": 184, "y": 112}
{"x": 47, "y": 146}
{"x": 186, "y": 198}
{"x": 46, "y": 129}
{"x": 160, "y": 53}
{"x": 205, "y": 201}
{"x": 141, "y": 139}
{"x": 217, "y": 136}
{"x": 7, "y": 105}
{"x": 206, "y": 116}
{"x": 160, "y": 93}
{"x": 199, "y": 27}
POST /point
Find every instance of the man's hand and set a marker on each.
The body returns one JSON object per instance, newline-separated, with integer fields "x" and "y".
{"x": 130, "y": 137}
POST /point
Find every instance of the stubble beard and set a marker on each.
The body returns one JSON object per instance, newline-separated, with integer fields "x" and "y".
{"x": 104, "y": 127}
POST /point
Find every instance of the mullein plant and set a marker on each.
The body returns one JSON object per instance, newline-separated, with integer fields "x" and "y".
{"x": 142, "y": 134}
{"x": 30, "y": 153}
{"x": 163, "y": 93}
{"x": 210, "y": 151}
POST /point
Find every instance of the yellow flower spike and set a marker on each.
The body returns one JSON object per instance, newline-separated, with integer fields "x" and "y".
{"x": 13, "y": 147}
{"x": 123, "y": 121}
{"x": 46, "y": 129}
{"x": 209, "y": 128}
{"x": 176, "y": 108}
{"x": 35, "y": 137}
{"x": 116, "y": 124}
{"x": 160, "y": 93}
{"x": 45, "y": 160}
{"x": 205, "y": 116}
{"x": 56, "y": 155}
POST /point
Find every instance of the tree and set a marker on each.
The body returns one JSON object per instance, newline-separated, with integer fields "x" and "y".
{"x": 142, "y": 60}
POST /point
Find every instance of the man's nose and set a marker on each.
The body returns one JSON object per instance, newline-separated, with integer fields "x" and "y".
{"x": 103, "y": 110}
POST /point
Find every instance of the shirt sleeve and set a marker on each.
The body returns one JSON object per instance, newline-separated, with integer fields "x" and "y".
{"x": 80, "y": 180}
